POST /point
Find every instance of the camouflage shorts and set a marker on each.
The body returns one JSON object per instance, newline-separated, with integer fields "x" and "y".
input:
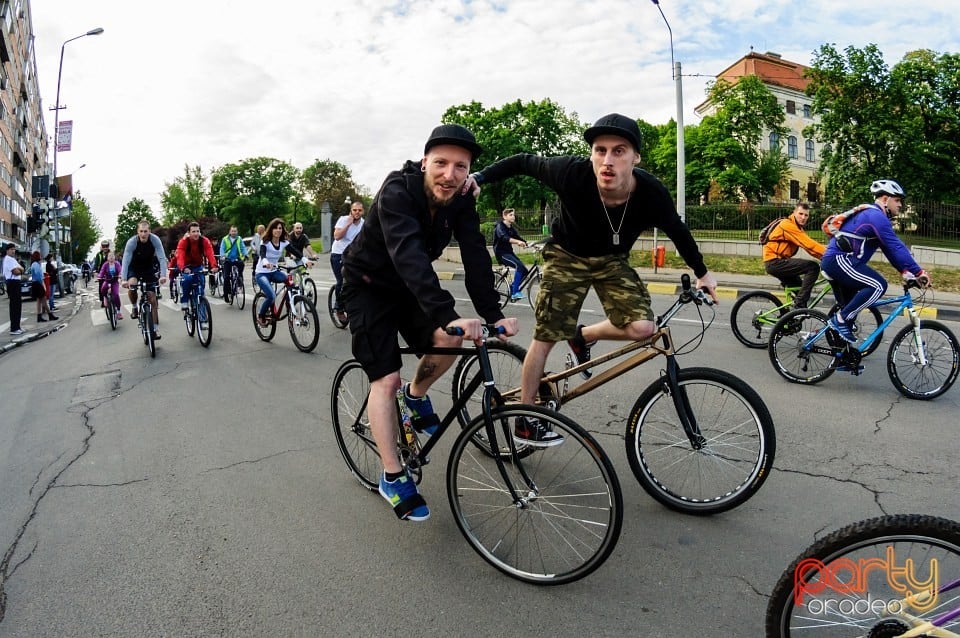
{"x": 566, "y": 281}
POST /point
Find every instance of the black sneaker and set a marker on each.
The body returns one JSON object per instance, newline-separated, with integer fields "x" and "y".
{"x": 581, "y": 350}
{"x": 532, "y": 431}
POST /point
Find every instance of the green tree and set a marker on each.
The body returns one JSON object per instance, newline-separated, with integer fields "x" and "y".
{"x": 85, "y": 230}
{"x": 254, "y": 191}
{"x": 130, "y": 215}
{"x": 326, "y": 181}
{"x": 541, "y": 128}
{"x": 186, "y": 198}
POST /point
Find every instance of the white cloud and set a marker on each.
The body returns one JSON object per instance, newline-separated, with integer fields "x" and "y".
{"x": 208, "y": 82}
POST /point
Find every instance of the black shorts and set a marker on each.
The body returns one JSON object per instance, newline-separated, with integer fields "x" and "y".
{"x": 377, "y": 316}
{"x": 151, "y": 277}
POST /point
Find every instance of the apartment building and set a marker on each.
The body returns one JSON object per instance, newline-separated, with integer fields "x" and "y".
{"x": 23, "y": 135}
{"x": 785, "y": 80}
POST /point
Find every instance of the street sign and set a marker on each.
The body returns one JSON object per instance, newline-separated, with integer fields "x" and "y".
{"x": 64, "y": 136}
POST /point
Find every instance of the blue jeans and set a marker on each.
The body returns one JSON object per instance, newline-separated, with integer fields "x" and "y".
{"x": 336, "y": 263}
{"x": 264, "y": 280}
{"x": 187, "y": 282}
{"x": 510, "y": 259}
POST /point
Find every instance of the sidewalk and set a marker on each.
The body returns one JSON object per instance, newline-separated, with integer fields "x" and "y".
{"x": 942, "y": 305}
{"x": 67, "y": 308}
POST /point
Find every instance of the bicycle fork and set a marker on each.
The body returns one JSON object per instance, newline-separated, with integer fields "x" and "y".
{"x": 921, "y": 356}
{"x": 671, "y": 384}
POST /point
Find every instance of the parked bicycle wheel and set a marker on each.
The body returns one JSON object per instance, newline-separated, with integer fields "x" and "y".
{"x": 753, "y": 316}
{"x": 571, "y": 510}
{"x": 264, "y": 332}
{"x": 795, "y": 363}
{"x": 724, "y": 466}
{"x": 338, "y": 318}
{"x": 928, "y": 380}
{"x": 829, "y": 592}
{"x": 351, "y": 424}
{"x": 204, "y": 322}
{"x": 304, "y": 324}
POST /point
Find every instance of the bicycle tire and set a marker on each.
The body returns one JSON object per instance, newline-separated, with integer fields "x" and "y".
{"x": 797, "y": 608}
{"x": 735, "y": 460}
{"x": 111, "y": 314}
{"x": 753, "y": 317}
{"x": 503, "y": 286}
{"x": 240, "y": 294}
{"x": 190, "y": 318}
{"x": 865, "y": 327}
{"x": 304, "y": 323}
{"x": 351, "y": 424}
{"x": 332, "y": 309}
{"x": 571, "y": 511}
{"x": 264, "y": 332}
{"x": 204, "y": 315}
{"x": 533, "y": 289}
{"x": 790, "y": 359}
{"x": 309, "y": 290}
{"x": 506, "y": 362}
{"x": 942, "y": 353}
{"x": 148, "y": 322}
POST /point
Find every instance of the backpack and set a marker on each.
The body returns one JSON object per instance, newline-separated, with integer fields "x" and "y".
{"x": 765, "y": 233}
{"x": 831, "y": 225}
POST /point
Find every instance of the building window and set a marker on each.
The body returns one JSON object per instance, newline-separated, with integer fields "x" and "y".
{"x": 774, "y": 142}
{"x": 808, "y": 151}
{"x": 794, "y": 189}
{"x": 791, "y": 107}
{"x": 806, "y": 111}
{"x": 792, "y": 147}
{"x": 811, "y": 191}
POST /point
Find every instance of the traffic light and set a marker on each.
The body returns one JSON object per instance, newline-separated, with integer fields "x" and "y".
{"x": 35, "y": 219}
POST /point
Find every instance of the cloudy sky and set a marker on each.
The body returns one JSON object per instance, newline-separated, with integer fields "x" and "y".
{"x": 362, "y": 82}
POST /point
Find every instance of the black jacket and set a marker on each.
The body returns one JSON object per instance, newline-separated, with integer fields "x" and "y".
{"x": 399, "y": 242}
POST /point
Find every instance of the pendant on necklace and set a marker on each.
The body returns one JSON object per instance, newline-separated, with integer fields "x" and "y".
{"x": 616, "y": 239}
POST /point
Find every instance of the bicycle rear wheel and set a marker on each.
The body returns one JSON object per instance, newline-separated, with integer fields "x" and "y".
{"x": 204, "y": 322}
{"x": 264, "y": 332}
{"x": 533, "y": 289}
{"x": 332, "y": 304}
{"x": 304, "y": 324}
{"x": 792, "y": 358}
{"x": 829, "y": 592}
{"x": 309, "y": 289}
{"x": 351, "y": 424}
{"x": 941, "y": 351}
{"x": 239, "y": 293}
{"x": 735, "y": 455}
{"x": 502, "y": 284}
{"x": 753, "y": 317}
{"x": 570, "y": 509}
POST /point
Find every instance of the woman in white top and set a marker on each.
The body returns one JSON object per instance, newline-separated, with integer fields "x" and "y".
{"x": 346, "y": 229}
{"x": 273, "y": 245}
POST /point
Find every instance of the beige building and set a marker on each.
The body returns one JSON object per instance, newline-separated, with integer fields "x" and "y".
{"x": 785, "y": 80}
{"x": 23, "y": 135}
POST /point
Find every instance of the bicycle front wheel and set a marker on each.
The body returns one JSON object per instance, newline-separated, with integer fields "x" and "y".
{"x": 147, "y": 309}
{"x": 304, "y": 324}
{"x": 566, "y": 517}
{"x": 332, "y": 303}
{"x": 264, "y": 332}
{"x": 833, "y": 590}
{"x": 792, "y": 357}
{"x": 204, "y": 322}
{"x": 753, "y": 317}
{"x": 724, "y": 466}
{"x": 923, "y": 381}
{"x": 309, "y": 289}
{"x": 533, "y": 289}
{"x": 502, "y": 284}
{"x": 239, "y": 293}
{"x": 351, "y": 424}
{"x": 111, "y": 314}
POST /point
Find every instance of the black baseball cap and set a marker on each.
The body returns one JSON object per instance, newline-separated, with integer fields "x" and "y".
{"x": 453, "y": 134}
{"x": 615, "y": 124}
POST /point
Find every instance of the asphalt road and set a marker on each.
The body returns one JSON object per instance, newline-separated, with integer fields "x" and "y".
{"x": 202, "y": 493}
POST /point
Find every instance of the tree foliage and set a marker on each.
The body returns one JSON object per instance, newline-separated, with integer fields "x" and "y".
{"x": 85, "y": 230}
{"x": 327, "y": 181}
{"x": 130, "y": 215}
{"x": 253, "y": 192}
{"x": 186, "y": 198}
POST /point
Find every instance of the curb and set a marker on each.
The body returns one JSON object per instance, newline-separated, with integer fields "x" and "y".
{"x": 40, "y": 334}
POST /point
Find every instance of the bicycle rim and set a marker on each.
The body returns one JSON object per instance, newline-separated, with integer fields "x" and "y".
{"x": 264, "y": 332}
{"x": 303, "y": 322}
{"x": 821, "y": 596}
{"x": 753, "y": 317}
{"x": 351, "y": 425}
{"x": 737, "y": 450}
{"x": 793, "y": 361}
{"x": 204, "y": 322}
{"x": 332, "y": 303}
{"x": 568, "y": 519}
{"x": 502, "y": 285}
{"x": 310, "y": 290}
{"x": 533, "y": 289}
{"x": 941, "y": 350}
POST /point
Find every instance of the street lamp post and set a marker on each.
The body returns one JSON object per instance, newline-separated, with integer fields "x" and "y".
{"x": 56, "y": 136}
{"x": 681, "y": 153}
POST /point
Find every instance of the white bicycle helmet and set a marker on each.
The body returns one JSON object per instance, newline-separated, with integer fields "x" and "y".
{"x": 886, "y": 187}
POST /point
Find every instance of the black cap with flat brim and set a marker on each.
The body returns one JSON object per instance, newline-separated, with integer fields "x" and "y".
{"x": 615, "y": 124}
{"x": 455, "y": 135}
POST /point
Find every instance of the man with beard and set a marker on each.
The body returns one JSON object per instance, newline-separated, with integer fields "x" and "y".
{"x": 391, "y": 288}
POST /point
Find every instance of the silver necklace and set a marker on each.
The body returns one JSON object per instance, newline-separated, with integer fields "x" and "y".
{"x": 616, "y": 232}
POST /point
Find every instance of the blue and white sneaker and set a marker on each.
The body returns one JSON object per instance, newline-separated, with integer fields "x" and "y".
{"x": 405, "y": 498}
{"x": 517, "y": 296}
{"x": 422, "y": 417}
{"x": 842, "y": 329}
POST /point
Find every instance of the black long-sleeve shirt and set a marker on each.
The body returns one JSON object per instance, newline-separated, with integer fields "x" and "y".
{"x": 582, "y": 227}
{"x": 399, "y": 242}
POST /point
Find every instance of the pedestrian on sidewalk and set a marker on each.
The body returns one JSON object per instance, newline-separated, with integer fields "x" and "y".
{"x": 37, "y": 288}
{"x": 52, "y": 270}
{"x": 12, "y": 270}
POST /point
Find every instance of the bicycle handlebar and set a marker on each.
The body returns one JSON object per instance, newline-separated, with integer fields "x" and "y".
{"x": 687, "y": 294}
{"x": 486, "y": 330}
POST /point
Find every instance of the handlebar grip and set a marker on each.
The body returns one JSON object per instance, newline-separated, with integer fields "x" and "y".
{"x": 685, "y": 282}
{"x": 487, "y": 330}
